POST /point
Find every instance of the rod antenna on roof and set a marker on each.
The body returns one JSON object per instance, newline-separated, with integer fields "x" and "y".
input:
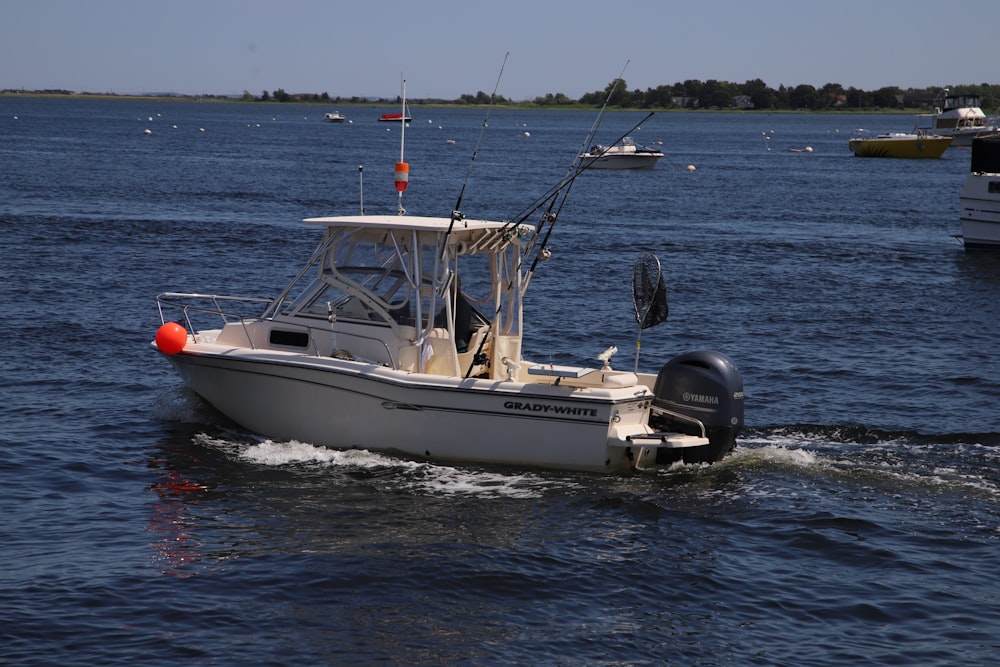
{"x": 361, "y": 185}
{"x": 402, "y": 177}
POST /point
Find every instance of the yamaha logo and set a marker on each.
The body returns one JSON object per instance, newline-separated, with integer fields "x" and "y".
{"x": 700, "y": 398}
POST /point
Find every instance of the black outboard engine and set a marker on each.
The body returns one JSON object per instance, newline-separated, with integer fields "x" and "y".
{"x": 704, "y": 386}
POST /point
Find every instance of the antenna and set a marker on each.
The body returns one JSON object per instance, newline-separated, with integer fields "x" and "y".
{"x": 361, "y": 182}
{"x": 402, "y": 168}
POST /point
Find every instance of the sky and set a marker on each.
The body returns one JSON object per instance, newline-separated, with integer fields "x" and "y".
{"x": 445, "y": 49}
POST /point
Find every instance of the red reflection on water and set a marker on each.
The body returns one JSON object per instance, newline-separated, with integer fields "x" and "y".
{"x": 176, "y": 548}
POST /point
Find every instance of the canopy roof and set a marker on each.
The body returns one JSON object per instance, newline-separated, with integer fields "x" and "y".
{"x": 401, "y": 222}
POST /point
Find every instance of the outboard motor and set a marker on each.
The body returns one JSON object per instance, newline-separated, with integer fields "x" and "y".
{"x": 705, "y": 386}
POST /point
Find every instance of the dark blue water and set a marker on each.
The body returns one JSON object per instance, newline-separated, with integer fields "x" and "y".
{"x": 858, "y": 522}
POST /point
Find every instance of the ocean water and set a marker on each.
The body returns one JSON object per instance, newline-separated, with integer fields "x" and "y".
{"x": 858, "y": 521}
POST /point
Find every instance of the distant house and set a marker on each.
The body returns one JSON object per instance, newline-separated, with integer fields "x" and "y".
{"x": 743, "y": 102}
{"x": 685, "y": 102}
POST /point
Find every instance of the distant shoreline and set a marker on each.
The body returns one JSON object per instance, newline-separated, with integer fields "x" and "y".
{"x": 528, "y": 106}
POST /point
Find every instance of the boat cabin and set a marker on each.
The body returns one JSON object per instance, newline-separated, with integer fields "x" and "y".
{"x": 427, "y": 295}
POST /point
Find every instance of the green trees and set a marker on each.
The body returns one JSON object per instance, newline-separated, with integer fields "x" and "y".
{"x": 803, "y": 96}
{"x": 558, "y": 99}
{"x": 695, "y": 94}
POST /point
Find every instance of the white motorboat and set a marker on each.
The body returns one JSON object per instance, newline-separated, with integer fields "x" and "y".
{"x": 959, "y": 117}
{"x": 335, "y": 117}
{"x": 980, "y": 197}
{"x": 404, "y": 334}
{"x": 624, "y": 155}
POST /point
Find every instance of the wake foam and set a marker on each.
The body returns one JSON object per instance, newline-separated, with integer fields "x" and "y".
{"x": 418, "y": 476}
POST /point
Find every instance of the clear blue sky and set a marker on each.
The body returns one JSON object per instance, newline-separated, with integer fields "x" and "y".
{"x": 448, "y": 48}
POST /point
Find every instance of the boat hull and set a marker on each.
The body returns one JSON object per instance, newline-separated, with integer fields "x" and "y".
{"x": 980, "y": 212}
{"x": 625, "y": 162}
{"x": 342, "y": 404}
{"x": 916, "y": 148}
{"x": 979, "y": 235}
{"x": 964, "y": 137}
{"x": 979, "y": 200}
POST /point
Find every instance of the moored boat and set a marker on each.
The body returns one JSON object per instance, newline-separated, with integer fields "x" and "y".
{"x": 394, "y": 118}
{"x": 980, "y": 197}
{"x": 624, "y": 155}
{"x": 335, "y": 117}
{"x": 404, "y": 333}
{"x": 959, "y": 117}
{"x": 911, "y": 145}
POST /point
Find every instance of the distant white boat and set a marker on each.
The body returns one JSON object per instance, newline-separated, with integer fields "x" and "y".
{"x": 980, "y": 197}
{"x": 335, "y": 117}
{"x": 626, "y": 155}
{"x": 959, "y": 117}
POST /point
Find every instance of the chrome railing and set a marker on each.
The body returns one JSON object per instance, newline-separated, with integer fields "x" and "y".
{"x": 214, "y": 305}
{"x": 186, "y": 302}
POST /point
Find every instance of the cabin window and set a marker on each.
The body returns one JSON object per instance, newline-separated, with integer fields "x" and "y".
{"x": 994, "y": 187}
{"x": 289, "y": 338}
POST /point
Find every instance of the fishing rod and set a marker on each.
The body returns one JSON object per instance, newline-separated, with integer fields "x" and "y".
{"x": 574, "y": 168}
{"x": 577, "y": 167}
{"x": 564, "y": 188}
{"x": 545, "y": 198}
{"x": 456, "y": 213}
{"x": 548, "y": 197}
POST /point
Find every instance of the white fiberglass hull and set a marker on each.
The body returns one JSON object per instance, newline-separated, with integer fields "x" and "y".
{"x": 981, "y": 235}
{"x": 980, "y": 211}
{"x": 630, "y": 161}
{"x": 348, "y": 404}
{"x": 964, "y": 137}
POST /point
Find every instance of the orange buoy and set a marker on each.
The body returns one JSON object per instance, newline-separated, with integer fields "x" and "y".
{"x": 171, "y": 338}
{"x": 402, "y": 176}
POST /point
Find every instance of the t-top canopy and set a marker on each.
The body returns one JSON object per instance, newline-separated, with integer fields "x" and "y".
{"x": 417, "y": 223}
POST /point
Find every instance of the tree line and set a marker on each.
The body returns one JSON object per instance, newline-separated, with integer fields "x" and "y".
{"x": 695, "y": 94}
{"x": 689, "y": 94}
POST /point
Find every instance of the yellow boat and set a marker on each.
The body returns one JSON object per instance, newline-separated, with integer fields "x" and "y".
{"x": 899, "y": 144}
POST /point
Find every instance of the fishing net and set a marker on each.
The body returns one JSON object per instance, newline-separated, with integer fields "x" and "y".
{"x": 649, "y": 292}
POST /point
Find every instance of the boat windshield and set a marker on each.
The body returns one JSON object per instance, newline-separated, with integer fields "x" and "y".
{"x": 424, "y": 282}
{"x": 345, "y": 300}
